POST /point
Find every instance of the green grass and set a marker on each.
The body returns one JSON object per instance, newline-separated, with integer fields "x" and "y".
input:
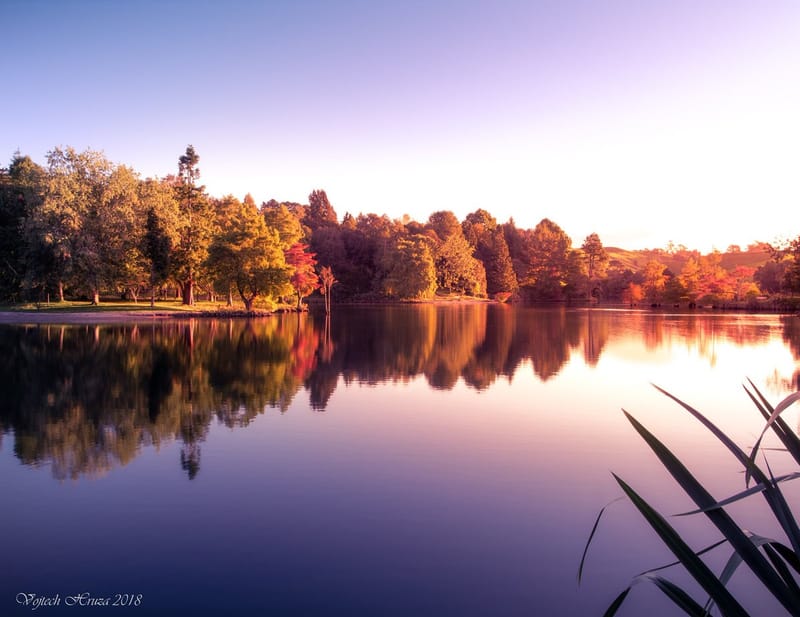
{"x": 71, "y": 306}
{"x": 775, "y": 564}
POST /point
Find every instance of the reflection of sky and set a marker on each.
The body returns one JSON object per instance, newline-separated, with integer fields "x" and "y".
{"x": 399, "y": 499}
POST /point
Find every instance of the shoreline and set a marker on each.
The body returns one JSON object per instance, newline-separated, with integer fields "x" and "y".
{"x": 116, "y": 316}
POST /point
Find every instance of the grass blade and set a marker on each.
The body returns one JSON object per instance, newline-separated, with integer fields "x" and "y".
{"x": 756, "y": 488}
{"x": 591, "y": 535}
{"x": 738, "y": 539}
{"x": 676, "y": 563}
{"x": 695, "y": 566}
{"x": 789, "y": 556}
{"x": 779, "y": 409}
{"x": 772, "y": 494}
{"x": 614, "y": 607}
{"x": 780, "y": 567}
{"x": 679, "y": 597}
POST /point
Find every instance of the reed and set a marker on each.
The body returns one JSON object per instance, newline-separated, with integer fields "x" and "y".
{"x": 774, "y": 563}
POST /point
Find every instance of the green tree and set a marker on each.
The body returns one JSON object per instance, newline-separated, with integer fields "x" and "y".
{"x": 493, "y": 253}
{"x": 157, "y": 199}
{"x": 456, "y": 268}
{"x": 196, "y": 225}
{"x": 770, "y": 276}
{"x": 791, "y": 277}
{"x": 482, "y": 232}
{"x": 320, "y": 211}
{"x": 20, "y": 193}
{"x": 282, "y": 220}
{"x": 248, "y": 255}
{"x": 410, "y": 272}
{"x": 89, "y": 221}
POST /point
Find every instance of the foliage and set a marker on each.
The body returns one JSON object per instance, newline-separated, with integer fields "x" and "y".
{"x": 595, "y": 256}
{"x": 548, "y": 267}
{"x": 196, "y": 225}
{"x": 456, "y": 269}
{"x": 655, "y": 280}
{"x": 303, "y": 278}
{"x": 327, "y": 281}
{"x": 248, "y": 256}
{"x": 320, "y": 211}
{"x": 411, "y": 274}
{"x": 282, "y": 220}
{"x": 770, "y": 561}
{"x": 83, "y": 226}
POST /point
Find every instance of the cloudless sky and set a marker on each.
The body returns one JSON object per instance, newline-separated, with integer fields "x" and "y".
{"x": 643, "y": 121}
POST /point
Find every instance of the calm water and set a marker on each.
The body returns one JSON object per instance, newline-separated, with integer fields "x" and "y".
{"x": 394, "y": 461}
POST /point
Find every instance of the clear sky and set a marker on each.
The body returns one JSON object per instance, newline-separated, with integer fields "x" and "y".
{"x": 643, "y": 121}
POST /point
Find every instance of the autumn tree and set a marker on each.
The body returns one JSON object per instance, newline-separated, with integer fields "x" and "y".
{"x": 303, "y": 278}
{"x": 741, "y": 280}
{"x": 654, "y": 280}
{"x": 690, "y": 279}
{"x": 444, "y": 224}
{"x": 549, "y": 260}
{"x": 715, "y": 284}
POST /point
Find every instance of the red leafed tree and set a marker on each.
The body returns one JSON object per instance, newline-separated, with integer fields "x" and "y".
{"x": 304, "y": 279}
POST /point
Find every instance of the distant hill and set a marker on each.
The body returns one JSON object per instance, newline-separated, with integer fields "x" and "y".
{"x": 636, "y": 260}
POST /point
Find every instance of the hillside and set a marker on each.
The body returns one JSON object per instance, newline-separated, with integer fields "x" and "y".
{"x": 636, "y": 260}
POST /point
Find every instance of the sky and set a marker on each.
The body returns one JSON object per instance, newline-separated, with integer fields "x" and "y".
{"x": 645, "y": 122}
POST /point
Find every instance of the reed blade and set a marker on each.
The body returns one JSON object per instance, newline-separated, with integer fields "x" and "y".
{"x": 736, "y": 536}
{"x": 684, "y": 601}
{"x": 591, "y": 536}
{"x": 693, "y": 564}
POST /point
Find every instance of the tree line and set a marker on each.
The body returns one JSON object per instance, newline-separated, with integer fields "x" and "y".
{"x": 81, "y": 226}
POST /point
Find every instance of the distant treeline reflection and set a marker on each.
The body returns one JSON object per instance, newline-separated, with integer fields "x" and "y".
{"x": 86, "y": 398}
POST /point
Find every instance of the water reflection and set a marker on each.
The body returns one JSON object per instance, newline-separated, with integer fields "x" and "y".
{"x": 84, "y": 399}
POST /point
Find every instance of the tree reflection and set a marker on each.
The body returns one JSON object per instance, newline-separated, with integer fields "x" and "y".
{"x": 84, "y": 399}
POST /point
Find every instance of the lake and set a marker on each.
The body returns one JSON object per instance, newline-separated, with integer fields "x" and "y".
{"x": 388, "y": 461}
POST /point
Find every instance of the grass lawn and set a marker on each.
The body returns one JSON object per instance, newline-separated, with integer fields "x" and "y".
{"x": 117, "y": 306}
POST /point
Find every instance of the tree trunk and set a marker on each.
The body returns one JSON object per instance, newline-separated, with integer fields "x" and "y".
{"x": 248, "y": 303}
{"x": 60, "y": 291}
{"x": 230, "y": 296}
{"x": 153, "y": 297}
{"x": 95, "y": 297}
{"x": 187, "y": 292}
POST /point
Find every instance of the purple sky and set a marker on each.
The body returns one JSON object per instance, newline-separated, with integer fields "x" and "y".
{"x": 645, "y": 122}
